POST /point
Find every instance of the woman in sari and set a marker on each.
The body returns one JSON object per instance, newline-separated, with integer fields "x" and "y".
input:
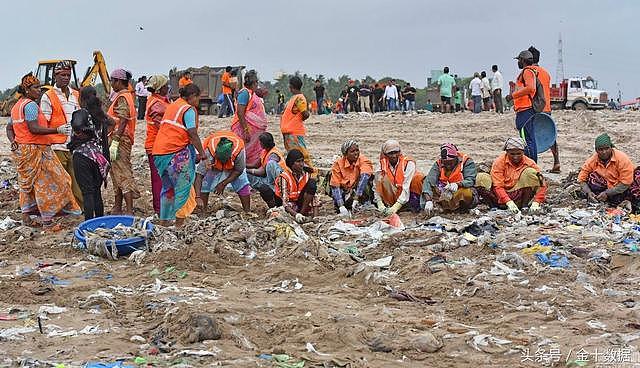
{"x": 174, "y": 154}
{"x": 250, "y": 119}
{"x": 45, "y": 186}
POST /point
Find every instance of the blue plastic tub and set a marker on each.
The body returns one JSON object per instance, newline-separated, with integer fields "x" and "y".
{"x": 125, "y": 246}
{"x": 545, "y": 131}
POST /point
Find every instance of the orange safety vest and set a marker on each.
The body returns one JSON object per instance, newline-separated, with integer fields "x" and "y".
{"x": 58, "y": 117}
{"x": 264, "y": 157}
{"x": 294, "y": 186}
{"x": 211, "y": 142}
{"x": 291, "y": 123}
{"x": 455, "y": 176}
{"x": 526, "y": 101}
{"x": 130, "y": 130}
{"x": 152, "y": 129}
{"x": 173, "y": 135}
{"x": 20, "y": 128}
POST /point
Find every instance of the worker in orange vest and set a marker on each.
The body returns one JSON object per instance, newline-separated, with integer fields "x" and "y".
{"x": 398, "y": 182}
{"x": 263, "y": 175}
{"x": 225, "y": 151}
{"x": 57, "y": 105}
{"x": 292, "y": 120}
{"x": 522, "y": 97}
{"x": 295, "y": 188}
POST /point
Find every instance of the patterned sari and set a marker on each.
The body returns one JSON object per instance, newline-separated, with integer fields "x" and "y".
{"x": 178, "y": 172}
{"x": 256, "y": 118}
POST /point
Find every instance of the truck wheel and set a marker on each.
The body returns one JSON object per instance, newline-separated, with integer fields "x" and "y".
{"x": 213, "y": 109}
{"x": 580, "y": 106}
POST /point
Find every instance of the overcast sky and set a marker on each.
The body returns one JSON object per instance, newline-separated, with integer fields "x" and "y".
{"x": 400, "y": 38}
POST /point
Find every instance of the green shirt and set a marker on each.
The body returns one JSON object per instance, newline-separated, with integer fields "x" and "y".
{"x": 458, "y": 97}
{"x": 446, "y": 82}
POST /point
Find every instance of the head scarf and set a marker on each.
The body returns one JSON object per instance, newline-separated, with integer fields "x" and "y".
{"x": 448, "y": 150}
{"x": 390, "y": 146}
{"x": 293, "y": 156}
{"x": 515, "y": 143}
{"x": 603, "y": 140}
{"x": 157, "y": 81}
{"x": 348, "y": 144}
{"x": 28, "y": 81}
{"x": 62, "y": 65}
{"x": 120, "y": 74}
{"x": 224, "y": 149}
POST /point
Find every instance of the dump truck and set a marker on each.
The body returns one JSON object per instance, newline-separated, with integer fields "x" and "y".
{"x": 209, "y": 79}
{"x": 579, "y": 94}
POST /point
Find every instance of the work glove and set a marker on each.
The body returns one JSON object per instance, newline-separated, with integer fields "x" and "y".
{"x": 513, "y": 207}
{"x": 534, "y": 207}
{"x": 355, "y": 206}
{"x": 393, "y": 209}
{"x": 381, "y": 206}
{"x": 344, "y": 212}
{"x": 64, "y": 129}
{"x": 300, "y": 218}
{"x": 451, "y": 187}
{"x": 113, "y": 150}
{"x": 428, "y": 207}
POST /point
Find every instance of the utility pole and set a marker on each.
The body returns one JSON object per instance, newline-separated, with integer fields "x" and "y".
{"x": 560, "y": 66}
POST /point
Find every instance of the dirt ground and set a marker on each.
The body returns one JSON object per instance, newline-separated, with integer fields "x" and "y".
{"x": 234, "y": 286}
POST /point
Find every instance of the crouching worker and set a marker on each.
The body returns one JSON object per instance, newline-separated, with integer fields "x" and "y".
{"x": 263, "y": 177}
{"x": 225, "y": 151}
{"x": 450, "y": 181}
{"x": 295, "y": 187}
{"x": 397, "y": 183}
{"x": 608, "y": 175}
{"x": 515, "y": 180}
{"x": 351, "y": 179}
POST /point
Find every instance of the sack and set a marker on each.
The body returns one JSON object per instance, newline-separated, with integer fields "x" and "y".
{"x": 538, "y": 101}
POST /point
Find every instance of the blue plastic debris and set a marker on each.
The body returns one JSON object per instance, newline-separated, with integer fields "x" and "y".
{"x": 545, "y": 241}
{"x": 553, "y": 260}
{"x": 118, "y": 364}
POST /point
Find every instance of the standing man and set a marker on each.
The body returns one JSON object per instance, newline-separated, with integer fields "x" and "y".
{"x": 486, "y": 91}
{"x": 292, "y": 121}
{"x": 365, "y": 96}
{"x": 57, "y": 105}
{"x": 319, "y": 90}
{"x": 353, "y": 94}
{"x": 409, "y": 94}
{"x": 226, "y": 109}
{"x": 141, "y": 95}
{"x": 457, "y": 99}
{"x": 280, "y": 107}
{"x": 496, "y": 85}
{"x": 545, "y": 79}
{"x": 446, "y": 83}
{"x": 476, "y": 93}
{"x": 378, "y": 96}
{"x": 391, "y": 95}
{"x": 522, "y": 97}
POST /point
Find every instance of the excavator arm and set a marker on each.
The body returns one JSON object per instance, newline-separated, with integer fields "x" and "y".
{"x": 99, "y": 68}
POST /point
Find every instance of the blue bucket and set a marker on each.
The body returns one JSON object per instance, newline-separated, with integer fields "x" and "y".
{"x": 124, "y": 246}
{"x": 545, "y": 131}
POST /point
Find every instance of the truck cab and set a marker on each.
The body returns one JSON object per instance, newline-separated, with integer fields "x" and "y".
{"x": 579, "y": 94}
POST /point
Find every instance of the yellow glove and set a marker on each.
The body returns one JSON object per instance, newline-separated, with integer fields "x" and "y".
{"x": 534, "y": 207}
{"x": 513, "y": 207}
{"x": 113, "y": 150}
{"x": 393, "y": 209}
{"x": 381, "y": 206}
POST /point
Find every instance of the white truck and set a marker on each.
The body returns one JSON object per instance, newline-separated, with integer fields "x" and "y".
{"x": 578, "y": 94}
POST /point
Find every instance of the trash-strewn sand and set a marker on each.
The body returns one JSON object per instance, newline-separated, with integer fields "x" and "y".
{"x": 483, "y": 315}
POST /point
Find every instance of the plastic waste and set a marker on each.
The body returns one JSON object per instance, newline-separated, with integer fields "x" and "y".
{"x": 383, "y": 262}
{"x": 8, "y": 223}
{"x": 553, "y": 260}
{"x": 117, "y": 364}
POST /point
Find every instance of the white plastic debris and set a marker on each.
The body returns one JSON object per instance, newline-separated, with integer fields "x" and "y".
{"x": 51, "y": 309}
{"x": 594, "y": 323}
{"x": 8, "y": 223}
{"x": 383, "y": 262}
{"x": 15, "y": 333}
{"x": 312, "y": 349}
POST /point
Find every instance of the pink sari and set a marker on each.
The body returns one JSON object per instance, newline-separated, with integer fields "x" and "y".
{"x": 257, "y": 122}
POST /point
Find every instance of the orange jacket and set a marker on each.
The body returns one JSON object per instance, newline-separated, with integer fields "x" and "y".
{"x": 291, "y": 123}
{"x": 619, "y": 169}
{"x": 58, "y": 117}
{"x": 184, "y": 81}
{"x": 173, "y": 135}
{"x": 264, "y": 157}
{"x": 505, "y": 175}
{"x": 345, "y": 175}
{"x": 294, "y": 186}
{"x": 525, "y": 89}
{"x": 545, "y": 79}
{"x": 455, "y": 176}
{"x": 130, "y": 130}
{"x": 211, "y": 142}
{"x": 20, "y": 128}
{"x": 152, "y": 128}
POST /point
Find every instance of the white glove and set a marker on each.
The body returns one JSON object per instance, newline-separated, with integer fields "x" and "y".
{"x": 428, "y": 207}
{"x": 534, "y": 207}
{"x": 355, "y": 205}
{"x": 513, "y": 207}
{"x": 64, "y": 129}
{"x": 393, "y": 209}
{"x": 113, "y": 150}
{"x": 381, "y": 206}
{"x": 300, "y": 218}
{"x": 451, "y": 187}
{"x": 344, "y": 212}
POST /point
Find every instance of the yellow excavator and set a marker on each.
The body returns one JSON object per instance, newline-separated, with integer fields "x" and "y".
{"x": 44, "y": 72}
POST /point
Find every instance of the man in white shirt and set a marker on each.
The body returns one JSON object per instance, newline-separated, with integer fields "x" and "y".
{"x": 496, "y": 85}
{"x": 391, "y": 95}
{"x": 476, "y": 92}
{"x": 57, "y": 105}
{"x": 486, "y": 91}
{"x": 142, "y": 94}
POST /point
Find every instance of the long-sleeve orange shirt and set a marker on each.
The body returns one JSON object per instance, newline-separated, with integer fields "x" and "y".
{"x": 505, "y": 175}
{"x": 345, "y": 175}
{"x": 619, "y": 169}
